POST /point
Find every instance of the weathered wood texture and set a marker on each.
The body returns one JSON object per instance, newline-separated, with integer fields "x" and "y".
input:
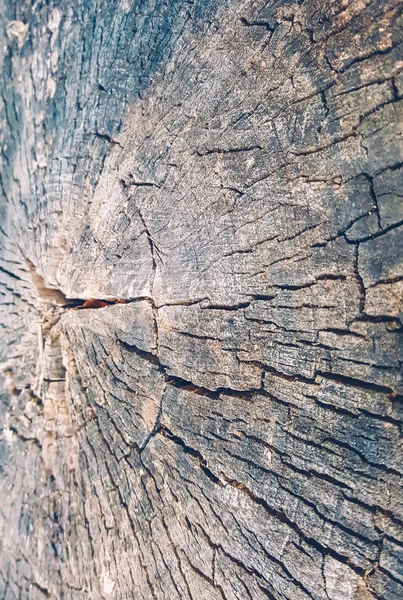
{"x": 233, "y": 170}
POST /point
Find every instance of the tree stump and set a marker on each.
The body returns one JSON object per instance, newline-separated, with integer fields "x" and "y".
{"x": 201, "y": 300}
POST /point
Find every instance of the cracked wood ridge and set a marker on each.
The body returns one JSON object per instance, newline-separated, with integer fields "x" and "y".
{"x": 222, "y": 182}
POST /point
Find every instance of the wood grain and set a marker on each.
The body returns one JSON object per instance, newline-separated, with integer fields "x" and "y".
{"x": 222, "y": 182}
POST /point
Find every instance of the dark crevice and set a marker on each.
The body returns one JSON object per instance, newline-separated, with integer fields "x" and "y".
{"x": 183, "y": 384}
{"x": 209, "y": 580}
{"x": 12, "y": 275}
{"x": 334, "y": 142}
{"x": 42, "y": 589}
{"x": 359, "y": 279}
{"x": 264, "y": 24}
{"x": 279, "y": 515}
{"x": 106, "y": 137}
{"x": 359, "y": 383}
{"x": 24, "y": 438}
{"x": 192, "y": 452}
{"x": 132, "y": 182}
{"x": 91, "y": 303}
{"x": 155, "y": 251}
{"x": 229, "y": 307}
{"x": 344, "y": 332}
{"x": 283, "y": 518}
{"x": 371, "y": 236}
{"x": 360, "y": 59}
{"x": 228, "y": 150}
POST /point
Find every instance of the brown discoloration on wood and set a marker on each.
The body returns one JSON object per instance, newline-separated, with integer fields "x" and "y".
{"x": 94, "y": 304}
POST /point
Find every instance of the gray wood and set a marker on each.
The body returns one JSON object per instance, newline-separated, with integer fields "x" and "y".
{"x": 232, "y": 171}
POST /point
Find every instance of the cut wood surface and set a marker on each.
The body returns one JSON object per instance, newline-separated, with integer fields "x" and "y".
{"x": 201, "y": 300}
